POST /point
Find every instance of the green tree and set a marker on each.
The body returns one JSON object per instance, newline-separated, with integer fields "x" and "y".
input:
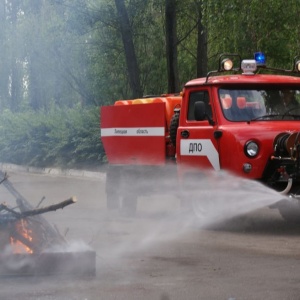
{"x": 129, "y": 50}
{"x": 232, "y": 28}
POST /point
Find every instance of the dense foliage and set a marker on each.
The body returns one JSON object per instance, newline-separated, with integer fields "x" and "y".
{"x": 68, "y": 138}
{"x": 62, "y": 59}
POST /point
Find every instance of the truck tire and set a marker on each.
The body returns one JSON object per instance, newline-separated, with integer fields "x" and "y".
{"x": 112, "y": 188}
{"x": 112, "y": 201}
{"x": 290, "y": 215}
{"x": 129, "y": 205}
{"x": 173, "y": 128}
{"x": 199, "y": 199}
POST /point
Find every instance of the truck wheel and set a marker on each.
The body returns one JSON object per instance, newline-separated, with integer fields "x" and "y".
{"x": 112, "y": 201}
{"x": 173, "y": 128}
{"x": 203, "y": 209}
{"x": 112, "y": 188}
{"x": 290, "y": 214}
{"x": 129, "y": 205}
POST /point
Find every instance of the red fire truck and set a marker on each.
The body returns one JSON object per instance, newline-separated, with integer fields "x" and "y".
{"x": 244, "y": 119}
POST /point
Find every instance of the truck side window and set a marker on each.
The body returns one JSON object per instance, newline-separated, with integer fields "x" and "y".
{"x": 198, "y": 96}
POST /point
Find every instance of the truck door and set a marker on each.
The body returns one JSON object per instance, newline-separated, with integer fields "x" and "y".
{"x": 197, "y": 147}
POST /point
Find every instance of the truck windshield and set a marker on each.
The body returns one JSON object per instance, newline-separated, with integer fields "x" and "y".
{"x": 260, "y": 104}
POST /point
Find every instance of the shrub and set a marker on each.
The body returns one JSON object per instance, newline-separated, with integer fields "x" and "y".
{"x": 61, "y": 137}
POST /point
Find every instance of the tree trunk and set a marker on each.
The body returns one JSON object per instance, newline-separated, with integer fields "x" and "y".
{"x": 4, "y": 61}
{"x": 35, "y": 84}
{"x": 15, "y": 78}
{"x": 131, "y": 60}
{"x": 201, "y": 46}
{"x": 171, "y": 46}
{"x": 15, "y": 87}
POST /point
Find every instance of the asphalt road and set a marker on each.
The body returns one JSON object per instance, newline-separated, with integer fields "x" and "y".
{"x": 161, "y": 253}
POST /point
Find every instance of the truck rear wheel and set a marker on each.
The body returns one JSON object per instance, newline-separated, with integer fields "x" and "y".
{"x": 112, "y": 201}
{"x": 113, "y": 188}
{"x": 129, "y": 186}
{"x": 129, "y": 205}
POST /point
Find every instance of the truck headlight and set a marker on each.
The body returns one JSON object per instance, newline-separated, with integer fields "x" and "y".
{"x": 251, "y": 149}
{"x": 297, "y": 66}
{"x": 227, "y": 64}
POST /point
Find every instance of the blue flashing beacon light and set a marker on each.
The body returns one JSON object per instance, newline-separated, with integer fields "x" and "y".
{"x": 260, "y": 58}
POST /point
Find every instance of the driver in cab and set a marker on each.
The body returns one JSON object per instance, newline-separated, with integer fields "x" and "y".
{"x": 286, "y": 104}
{"x": 289, "y": 99}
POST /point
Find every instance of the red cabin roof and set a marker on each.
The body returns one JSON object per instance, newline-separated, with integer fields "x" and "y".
{"x": 245, "y": 79}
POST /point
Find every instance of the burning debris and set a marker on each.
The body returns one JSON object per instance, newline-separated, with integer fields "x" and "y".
{"x": 32, "y": 235}
{"x": 25, "y": 239}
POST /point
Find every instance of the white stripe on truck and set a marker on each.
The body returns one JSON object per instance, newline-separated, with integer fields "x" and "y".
{"x": 201, "y": 147}
{"x": 133, "y": 131}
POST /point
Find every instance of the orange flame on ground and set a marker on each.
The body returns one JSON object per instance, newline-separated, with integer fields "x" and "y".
{"x": 18, "y": 246}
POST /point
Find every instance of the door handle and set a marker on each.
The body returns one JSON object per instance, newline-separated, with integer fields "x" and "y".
{"x": 185, "y": 134}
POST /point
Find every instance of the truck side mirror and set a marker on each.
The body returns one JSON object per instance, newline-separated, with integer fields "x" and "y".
{"x": 200, "y": 112}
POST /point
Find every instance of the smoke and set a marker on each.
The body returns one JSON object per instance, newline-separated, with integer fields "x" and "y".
{"x": 70, "y": 246}
{"x": 124, "y": 245}
{"x": 11, "y": 263}
{"x": 210, "y": 199}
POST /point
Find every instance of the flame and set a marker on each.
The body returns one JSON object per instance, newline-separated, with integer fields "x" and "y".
{"x": 22, "y": 229}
